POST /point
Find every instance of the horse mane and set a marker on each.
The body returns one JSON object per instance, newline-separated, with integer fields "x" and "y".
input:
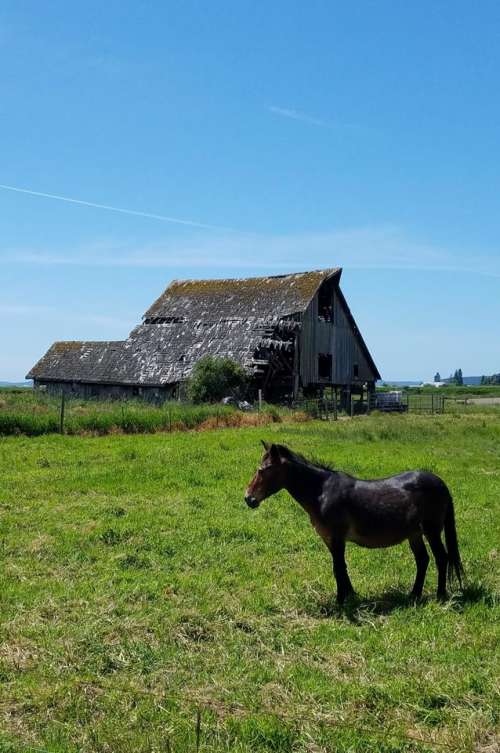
{"x": 297, "y": 457}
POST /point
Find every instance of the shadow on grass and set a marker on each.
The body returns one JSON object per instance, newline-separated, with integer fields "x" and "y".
{"x": 474, "y": 593}
{"x": 359, "y": 610}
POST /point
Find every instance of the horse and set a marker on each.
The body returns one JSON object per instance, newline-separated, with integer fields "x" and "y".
{"x": 371, "y": 513}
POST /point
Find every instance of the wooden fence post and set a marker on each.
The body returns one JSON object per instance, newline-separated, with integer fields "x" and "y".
{"x": 198, "y": 729}
{"x": 61, "y": 420}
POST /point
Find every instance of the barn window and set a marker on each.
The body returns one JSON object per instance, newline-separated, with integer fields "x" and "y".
{"x": 325, "y": 366}
{"x": 325, "y": 304}
{"x": 355, "y": 370}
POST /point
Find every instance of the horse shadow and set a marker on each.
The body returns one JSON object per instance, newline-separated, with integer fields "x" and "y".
{"x": 359, "y": 610}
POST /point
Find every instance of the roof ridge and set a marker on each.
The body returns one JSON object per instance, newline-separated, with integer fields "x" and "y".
{"x": 326, "y": 271}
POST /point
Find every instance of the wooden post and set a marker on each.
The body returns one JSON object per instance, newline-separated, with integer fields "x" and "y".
{"x": 260, "y": 400}
{"x": 61, "y": 423}
{"x": 198, "y": 729}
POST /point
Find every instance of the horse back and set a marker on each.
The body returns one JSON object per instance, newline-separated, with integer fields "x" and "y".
{"x": 383, "y": 512}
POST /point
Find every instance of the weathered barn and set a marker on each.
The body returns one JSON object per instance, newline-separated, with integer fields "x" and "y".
{"x": 291, "y": 332}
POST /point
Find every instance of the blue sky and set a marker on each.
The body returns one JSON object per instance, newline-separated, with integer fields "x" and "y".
{"x": 291, "y": 135}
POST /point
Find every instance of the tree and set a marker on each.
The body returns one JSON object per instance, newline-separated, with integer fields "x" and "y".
{"x": 493, "y": 379}
{"x": 458, "y": 378}
{"x": 214, "y": 378}
{"x": 437, "y": 376}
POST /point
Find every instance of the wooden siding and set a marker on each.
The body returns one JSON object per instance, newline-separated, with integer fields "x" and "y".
{"x": 337, "y": 338}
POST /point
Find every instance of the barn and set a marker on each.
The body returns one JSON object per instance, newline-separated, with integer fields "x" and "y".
{"x": 294, "y": 334}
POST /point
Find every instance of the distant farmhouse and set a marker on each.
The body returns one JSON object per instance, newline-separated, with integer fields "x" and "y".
{"x": 291, "y": 333}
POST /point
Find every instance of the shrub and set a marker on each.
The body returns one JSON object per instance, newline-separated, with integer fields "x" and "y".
{"x": 215, "y": 378}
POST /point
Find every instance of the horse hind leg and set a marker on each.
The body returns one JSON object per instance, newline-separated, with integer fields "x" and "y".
{"x": 422, "y": 561}
{"x": 344, "y": 585}
{"x": 433, "y": 536}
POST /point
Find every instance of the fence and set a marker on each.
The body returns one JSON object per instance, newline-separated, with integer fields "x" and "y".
{"x": 406, "y": 402}
{"x": 386, "y": 402}
{"x": 33, "y": 413}
{"x": 203, "y": 712}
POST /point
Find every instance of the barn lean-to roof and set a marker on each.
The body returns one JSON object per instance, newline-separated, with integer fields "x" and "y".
{"x": 71, "y": 360}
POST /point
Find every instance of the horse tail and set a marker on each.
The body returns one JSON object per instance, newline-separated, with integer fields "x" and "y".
{"x": 455, "y": 567}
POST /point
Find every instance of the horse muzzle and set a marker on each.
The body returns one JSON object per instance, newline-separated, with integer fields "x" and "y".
{"x": 251, "y": 501}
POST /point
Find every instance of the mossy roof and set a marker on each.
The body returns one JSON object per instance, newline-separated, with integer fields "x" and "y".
{"x": 212, "y": 300}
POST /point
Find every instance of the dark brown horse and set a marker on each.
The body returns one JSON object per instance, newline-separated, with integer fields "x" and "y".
{"x": 373, "y": 514}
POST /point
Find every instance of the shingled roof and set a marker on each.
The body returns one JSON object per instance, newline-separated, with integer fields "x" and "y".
{"x": 229, "y": 318}
{"x": 262, "y": 297}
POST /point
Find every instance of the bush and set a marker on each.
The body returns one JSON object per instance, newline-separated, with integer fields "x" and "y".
{"x": 215, "y": 378}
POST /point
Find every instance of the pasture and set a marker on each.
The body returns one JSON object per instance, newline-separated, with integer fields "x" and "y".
{"x": 144, "y": 607}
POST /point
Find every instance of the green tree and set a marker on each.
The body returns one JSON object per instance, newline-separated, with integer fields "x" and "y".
{"x": 437, "y": 376}
{"x": 214, "y": 378}
{"x": 458, "y": 378}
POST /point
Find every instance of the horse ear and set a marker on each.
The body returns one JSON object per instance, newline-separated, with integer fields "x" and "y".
{"x": 274, "y": 451}
{"x": 283, "y": 452}
{"x": 265, "y": 445}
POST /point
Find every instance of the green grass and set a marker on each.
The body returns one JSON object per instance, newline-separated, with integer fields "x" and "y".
{"x": 24, "y": 411}
{"x": 449, "y": 390}
{"x": 137, "y": 587}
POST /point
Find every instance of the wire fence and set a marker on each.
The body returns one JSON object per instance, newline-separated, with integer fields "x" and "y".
{"x": 34, "y": 413}
{"x": 203, "y": 710}
{"x": 331, "y": 408}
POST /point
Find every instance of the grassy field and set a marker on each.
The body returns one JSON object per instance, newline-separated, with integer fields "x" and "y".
{"x": 137, "y": 590}
{"x": 451, "y": 390}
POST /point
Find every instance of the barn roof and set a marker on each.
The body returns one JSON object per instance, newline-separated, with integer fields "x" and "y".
{"x": 71, "y": 360}
{"x": 212, "y": 300}
{"x": 192, "y": 318}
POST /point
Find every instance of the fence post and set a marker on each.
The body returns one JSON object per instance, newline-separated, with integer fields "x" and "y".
{"x": 61, "y": 420}
{"x": 169, "y": 417}
{"x": 198, "y": 729}
{"x": 260, "y": 400}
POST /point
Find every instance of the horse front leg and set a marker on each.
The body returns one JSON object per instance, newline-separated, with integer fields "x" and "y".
{"x": 344, "y": 585}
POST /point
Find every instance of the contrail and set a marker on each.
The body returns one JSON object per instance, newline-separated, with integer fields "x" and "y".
{"x": 161, "y": 217}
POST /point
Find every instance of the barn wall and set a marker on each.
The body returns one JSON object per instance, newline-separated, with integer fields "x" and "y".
{"x": 307, "y": 345}
{"x": 85, "y": 391}
{"x": 337, "y": 338}
{"x": 347, "y": 351}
